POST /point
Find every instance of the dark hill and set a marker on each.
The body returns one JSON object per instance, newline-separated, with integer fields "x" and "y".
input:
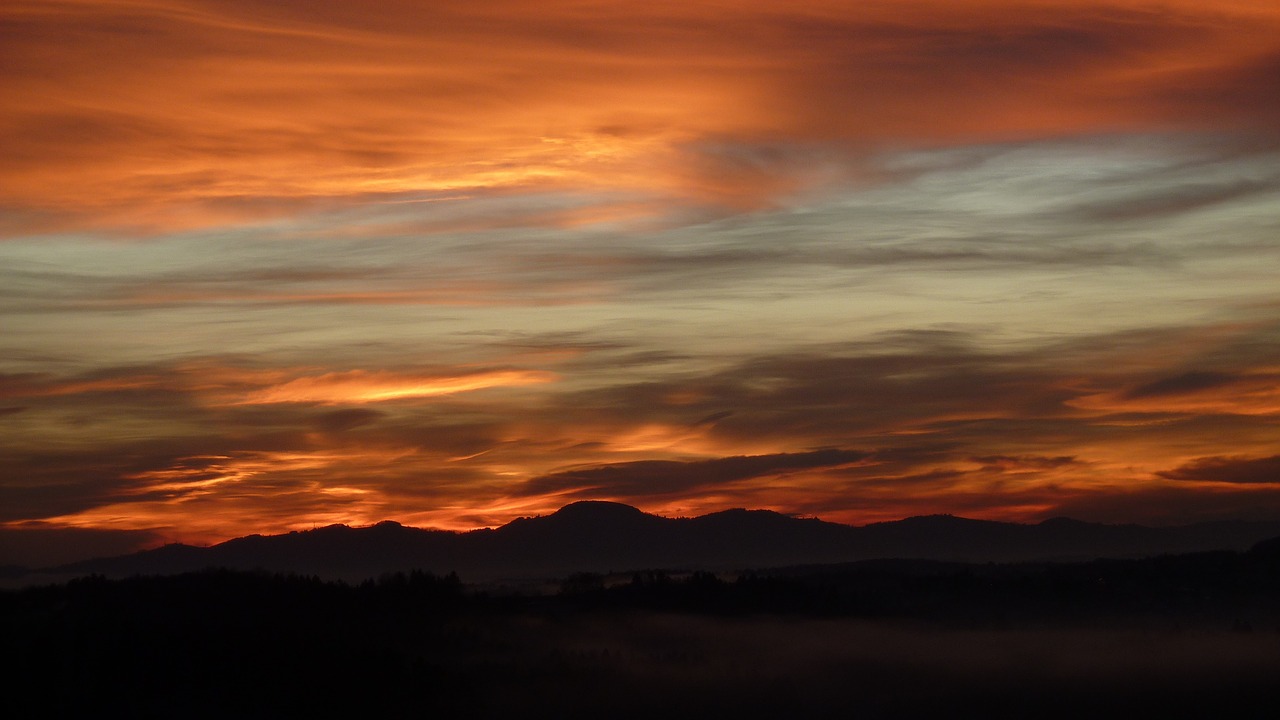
{"x": 604, "y": 536}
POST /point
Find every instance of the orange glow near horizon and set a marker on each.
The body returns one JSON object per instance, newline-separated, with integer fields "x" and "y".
{"x": 208, "y": 499}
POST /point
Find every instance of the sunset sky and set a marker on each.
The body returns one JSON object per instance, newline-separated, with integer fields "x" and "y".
{"x": 266, "y": 266}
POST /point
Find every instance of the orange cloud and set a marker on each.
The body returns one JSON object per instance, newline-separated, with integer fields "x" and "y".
{"x": 161, "y": 115}
{"x": 359, "y": 386}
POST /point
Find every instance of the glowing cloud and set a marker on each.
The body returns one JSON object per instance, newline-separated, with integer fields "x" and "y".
{"x": 163, "y": 115}
{"x": 359, "y": 386}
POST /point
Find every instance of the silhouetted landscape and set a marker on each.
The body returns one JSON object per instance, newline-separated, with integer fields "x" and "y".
{"x": 1179, "y": 635}
{"x": 604, "y": 537}
{"x": 428, "y": 359}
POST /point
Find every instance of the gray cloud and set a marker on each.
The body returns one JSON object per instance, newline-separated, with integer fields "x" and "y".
{"x": 647, "y": 478}
{"x": 1245, "y": 94}
{"x": 1002, "y": 463}
{"x": 1249, "y": 471}
{"x": 1181, "y": 199}
{"x": 1180, "y": 384}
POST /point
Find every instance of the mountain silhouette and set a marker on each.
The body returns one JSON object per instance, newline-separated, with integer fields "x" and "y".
{"x": 613, "y": 537}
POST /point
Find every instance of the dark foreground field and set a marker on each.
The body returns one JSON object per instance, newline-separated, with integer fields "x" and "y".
{"x": 1192, "y": 636}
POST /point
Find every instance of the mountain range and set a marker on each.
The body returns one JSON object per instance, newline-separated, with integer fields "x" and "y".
{"x": 611, "y": 537}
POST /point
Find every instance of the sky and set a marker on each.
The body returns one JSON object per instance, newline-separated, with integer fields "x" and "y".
{"x": 267, "y": 266}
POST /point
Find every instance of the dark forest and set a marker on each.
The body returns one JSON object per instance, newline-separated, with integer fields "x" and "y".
{"x": 1177, "y": 635}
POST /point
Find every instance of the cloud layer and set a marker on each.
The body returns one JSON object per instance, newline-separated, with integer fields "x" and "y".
{"x": 162, "y": 115}
{"x": 266, "y": 266}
